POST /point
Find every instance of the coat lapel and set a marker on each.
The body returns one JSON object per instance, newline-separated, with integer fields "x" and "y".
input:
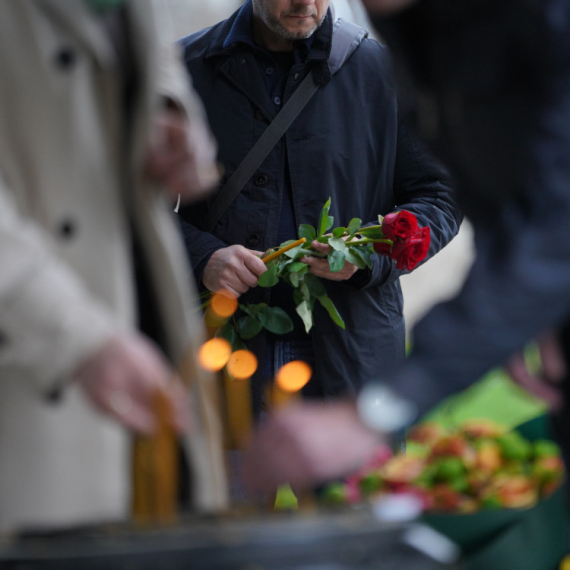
{"x": 78, "y": 20}
{"x": 243, "y": 72}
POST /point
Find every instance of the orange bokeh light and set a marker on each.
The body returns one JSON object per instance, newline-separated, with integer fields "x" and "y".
{"x": 242, "y": 364}
{"x": 224, "y": 304}
{"x": 293, "y": 376}
{"x": 214, "y": 354}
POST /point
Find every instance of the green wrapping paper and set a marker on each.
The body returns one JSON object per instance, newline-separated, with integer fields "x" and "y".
{"x": 519, "y": 539}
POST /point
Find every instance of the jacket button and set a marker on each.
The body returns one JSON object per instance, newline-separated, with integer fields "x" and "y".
{"x": 55, "y": 395}
{"x": 259, "y": 115}
{"x": 296, "y": 76}
{"x": 67, "y": 229}
{"x": 253, "y": 240}
{"x": 65, "y": 58}
{"x": 261, "y": 180}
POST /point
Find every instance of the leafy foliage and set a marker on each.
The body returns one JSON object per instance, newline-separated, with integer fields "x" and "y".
{"x": 353, "y": 244}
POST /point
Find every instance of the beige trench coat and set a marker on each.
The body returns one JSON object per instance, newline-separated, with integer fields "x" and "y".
{"x": 65, "y": 264}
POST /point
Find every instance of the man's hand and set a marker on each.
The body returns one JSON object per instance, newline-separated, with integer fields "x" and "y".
{"x": 305, "y": 444}
{"x": 320, "y": 267}
{"x": 546, "y": 384}
{"x": 182, "y": 156}
{"x": 234, "y": 269}
{"x": 121, "y": 381}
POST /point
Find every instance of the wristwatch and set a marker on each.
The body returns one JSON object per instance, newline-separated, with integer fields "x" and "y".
{"x": 381, "y": 409}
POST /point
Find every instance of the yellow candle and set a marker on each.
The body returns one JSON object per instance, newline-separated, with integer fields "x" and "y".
{"x": 283, "y": 250}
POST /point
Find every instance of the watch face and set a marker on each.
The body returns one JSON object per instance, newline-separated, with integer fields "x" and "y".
{"x": 381, "y": 409}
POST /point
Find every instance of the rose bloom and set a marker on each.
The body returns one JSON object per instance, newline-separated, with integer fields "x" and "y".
{"x": 399, "y": 225}
{"x": 408, "y": 253}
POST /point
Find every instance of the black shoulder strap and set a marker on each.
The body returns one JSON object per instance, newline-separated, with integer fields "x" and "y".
{"x": 346, "y": 38}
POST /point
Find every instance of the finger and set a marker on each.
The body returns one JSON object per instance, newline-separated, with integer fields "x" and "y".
{"x": 547, "y": 392}
{"x": 521, "y": 376}
{"x": 139, "y": 418}
{"x": 255, "y": 265}
{"x": 180, "y": 403}
{"x": 320, "y": 247}
{"x": 246, "y": 277}
{"x": 321, "y": 268}
{"x": 230, "y": 291}
{"x": 234, "y": 281}
{"x": 553, "y": 364}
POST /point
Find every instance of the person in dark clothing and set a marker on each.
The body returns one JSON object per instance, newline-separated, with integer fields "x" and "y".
{"x": 509, "y": 149}
{"x": 489, "y": 84}
{"x": 349, "y": 144}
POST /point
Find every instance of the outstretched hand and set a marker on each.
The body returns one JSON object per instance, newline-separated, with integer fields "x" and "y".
{"x": 122, "y": 379}
{"x": 545, "y": 384}
{"x": 306, "y": 444}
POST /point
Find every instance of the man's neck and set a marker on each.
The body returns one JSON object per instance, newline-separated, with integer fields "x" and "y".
{"x": 267, "y": 39}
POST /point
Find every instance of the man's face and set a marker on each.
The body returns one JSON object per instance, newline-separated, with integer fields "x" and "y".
{"x": 291, "y": 19}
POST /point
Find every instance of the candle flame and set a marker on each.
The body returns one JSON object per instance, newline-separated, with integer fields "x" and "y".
{"x": 242, "y": 364}
{"x": 224, "y": 304}
{"x": 214, "y": 354}
{"x": 293, "y": 376}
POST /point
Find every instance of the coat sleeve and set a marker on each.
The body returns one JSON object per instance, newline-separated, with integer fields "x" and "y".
{"x": 422, "y": 186}
{"x": 519, "y": 283}
{"x": 200, "y": 245}
{"x": 49, "y": 321}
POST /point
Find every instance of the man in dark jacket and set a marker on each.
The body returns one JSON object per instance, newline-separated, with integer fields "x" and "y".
{"x": 348, "y": 144}
{"x": 495, "y": 76}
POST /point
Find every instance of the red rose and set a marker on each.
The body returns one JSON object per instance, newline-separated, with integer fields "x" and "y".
{"x": 383, "y": 248}
{"x": 399, "y": 225}
{"x": 408, "y": 253}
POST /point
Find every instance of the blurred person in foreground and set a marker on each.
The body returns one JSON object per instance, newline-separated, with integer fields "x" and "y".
{"x": 489, "y": 85}
{"x": 95, "y": 117}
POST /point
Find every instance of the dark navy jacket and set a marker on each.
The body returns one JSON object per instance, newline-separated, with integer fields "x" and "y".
{"x": 347, "y": 144}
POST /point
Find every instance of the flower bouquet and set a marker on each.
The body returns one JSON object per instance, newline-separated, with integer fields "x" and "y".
{"x": 496, "y": 493}
{"x": 397, "y": 236}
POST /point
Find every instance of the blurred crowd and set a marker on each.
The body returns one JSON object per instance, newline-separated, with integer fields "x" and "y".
{"x": 133, "y": 125}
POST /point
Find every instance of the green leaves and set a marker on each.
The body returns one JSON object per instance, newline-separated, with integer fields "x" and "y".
{"x": 308, "y": 232}
{"x": 315, "y": 288}
{"x": 373, "y": 232}
{"x": 326, "y": 302}
{"x": 353, "y": 226}
{"x": 306, "y": 287}
{"x": 275, "y": 320}
{"x": 364, "y": 252}
{"x": 336, "y": 260}
{"x": 337, "y": 243}
{"x": 259, "y": 316}
{"x": 270, "y": 277}
{"x": 325, "y": 221}
{"x": 306, "y": 315}
{"x": 247, "y": 327}
{"x": 354, "y": 258}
